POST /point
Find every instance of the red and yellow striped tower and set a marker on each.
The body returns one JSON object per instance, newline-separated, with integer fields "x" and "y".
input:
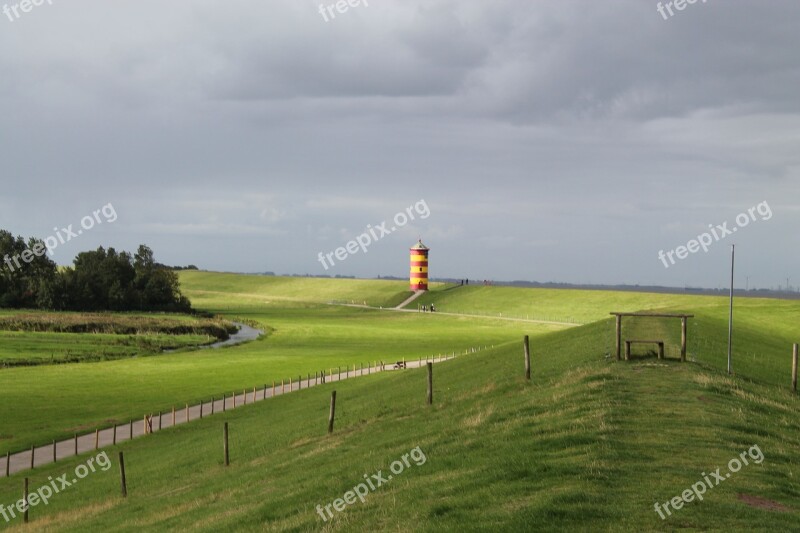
{"x": 419, "y": 267}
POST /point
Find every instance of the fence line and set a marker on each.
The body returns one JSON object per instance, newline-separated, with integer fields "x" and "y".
{"x": 34, "y": 456}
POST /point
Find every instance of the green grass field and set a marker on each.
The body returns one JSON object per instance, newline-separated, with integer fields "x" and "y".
{"x": 37, "y": 337}
{"x": 591, "y": 444}
{"x": 765, "y": 329}
{"x": 305, "y": 336}
{"x": 18, "y": 348}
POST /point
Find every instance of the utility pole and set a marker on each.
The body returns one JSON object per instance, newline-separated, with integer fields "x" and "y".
{"x": 730, "y": 313}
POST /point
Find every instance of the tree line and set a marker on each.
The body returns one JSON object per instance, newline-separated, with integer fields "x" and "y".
{"x": 99, "y": 280}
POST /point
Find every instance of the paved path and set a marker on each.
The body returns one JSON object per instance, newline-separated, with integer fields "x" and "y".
{"x": 42, "y": 455}
{"x": 499, "y": 317}
{"x": 410, "y": 299}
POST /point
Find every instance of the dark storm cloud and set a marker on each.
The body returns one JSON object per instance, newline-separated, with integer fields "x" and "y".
{"x": 572, "y": 139}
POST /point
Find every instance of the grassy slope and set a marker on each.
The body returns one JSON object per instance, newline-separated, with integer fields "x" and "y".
{"x": 589, "y": 446}
{"x": 764, "y": 329}
{"x": 305, "y": 338}
{"x": 554, "y": 304}
{"x": 268, "y": 289}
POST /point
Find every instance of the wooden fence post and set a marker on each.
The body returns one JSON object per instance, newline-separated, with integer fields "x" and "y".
{"x": 55, "y": 460}
{"x": 213, "y": 401}
{"x": 26, "y": 507}
{"x": 332, "y": 413}
{"x": 794, "y": 368}
{"x": 430, "y": 383}
{"x": 131, "y": 430}
{"x": 33, "y": 455}
{"x": 225, "y": 445}
{"x": 683, "y": 339}
{"x": 114, "y": 433}
{"x": 96, "y": 438}
{"x": 201, "y": 409}
{"x": 123, "y": 482}
{"x": 159, "y": 420}
{"x": 527, "y": 359}
{"x": 273, "y": 388}
{"x": 8, "y": 464}
{"x": 76, "y": 444}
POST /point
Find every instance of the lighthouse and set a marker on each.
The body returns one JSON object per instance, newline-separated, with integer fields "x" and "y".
{"x": 419, "y": 267}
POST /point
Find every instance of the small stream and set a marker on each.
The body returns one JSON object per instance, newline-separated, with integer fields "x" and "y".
{"x": 245, "y": 333}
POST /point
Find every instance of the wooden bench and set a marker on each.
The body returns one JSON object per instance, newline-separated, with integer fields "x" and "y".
{"x": 636, "y": 341}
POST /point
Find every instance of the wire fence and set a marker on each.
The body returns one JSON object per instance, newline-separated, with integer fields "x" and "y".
{"x": 51, "y": 452}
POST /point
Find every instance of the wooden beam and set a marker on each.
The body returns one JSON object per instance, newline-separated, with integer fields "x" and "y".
{"x": 653, "y": 315}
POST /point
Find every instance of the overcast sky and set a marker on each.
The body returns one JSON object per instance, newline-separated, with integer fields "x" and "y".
{"x": 551, "y": 140}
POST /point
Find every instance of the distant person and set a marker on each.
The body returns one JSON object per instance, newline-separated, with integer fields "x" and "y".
{"x": 433, "y": 309}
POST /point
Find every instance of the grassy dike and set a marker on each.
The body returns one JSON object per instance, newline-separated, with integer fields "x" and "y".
{"x": 589, "y": 445}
